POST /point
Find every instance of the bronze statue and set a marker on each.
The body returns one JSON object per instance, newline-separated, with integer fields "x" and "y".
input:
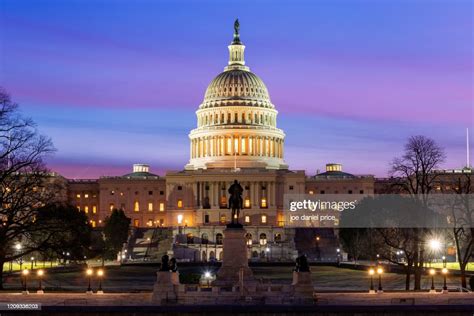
{"x": 236, "y": 26}
{"x": 164, "y": 263}
{"x": 302, "y": 264}
{"x": 173, "y": 265}
{"x": 235, "y": 201}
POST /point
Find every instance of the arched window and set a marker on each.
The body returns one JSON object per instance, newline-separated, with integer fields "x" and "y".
{"x": 263, "y": 239}
{"x": 277, "y": 238}
{"x": 219, "y": 239}
{"x": 204, "y": 256}
{"x": 254, "y": 254}
{"x": 204, "y": 239}
{"x": 248, "y": 237}
{"x": 212, "y": 255}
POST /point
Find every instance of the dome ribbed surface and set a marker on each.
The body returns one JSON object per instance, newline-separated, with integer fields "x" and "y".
{"x": 237, "y": 85}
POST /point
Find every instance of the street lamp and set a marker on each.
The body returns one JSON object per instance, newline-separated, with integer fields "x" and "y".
{"x": 380, "y": 272}
{"x": 25, "y": 281}
{"x": 444, "y": 261}
{"x": 432, "y": 273}
{"x": 100, "y": 274}
{"x": 435, "y": 244}
{"x": 40, "y": 274}
{"x": 371, "y": 273}
{"x": 207, "y": 276}
{"x": 445, "y": 273}
{"x": 89, "y": 273}
{"x": 32, "y": 260}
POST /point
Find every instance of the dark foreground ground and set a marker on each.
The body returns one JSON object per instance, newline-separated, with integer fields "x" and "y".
{"x": 142, "y": 278}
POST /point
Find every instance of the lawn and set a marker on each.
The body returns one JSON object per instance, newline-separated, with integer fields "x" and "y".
{"x": 142, "y": 278}
{"x": 452, "y": 266}
{"x": 27, "y": 265}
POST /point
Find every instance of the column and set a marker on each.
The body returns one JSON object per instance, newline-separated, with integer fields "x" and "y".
{"x": 252, "y": 194}
{"x": 272, "y": 194}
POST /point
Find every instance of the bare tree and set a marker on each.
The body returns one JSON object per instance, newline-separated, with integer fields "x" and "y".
{"x": 414, "y": 174}
{"x": 25, "y": 184}
{"x": 462, "y": 217}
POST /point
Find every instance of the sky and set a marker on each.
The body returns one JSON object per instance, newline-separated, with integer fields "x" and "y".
{"x": 118, "y": 82}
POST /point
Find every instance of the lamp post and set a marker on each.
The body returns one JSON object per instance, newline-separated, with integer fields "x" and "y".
{"x": 40, "y": 274}
{"x": 380, "y": 272}
{"x": 445, "y": 273}
{"x": 207, "y": 276}
{"x": 89, "y": 273}
{"x": 432, "y": 273}
{"x": 100, "y": 274}
{"x": 371, "y": 273}
{"x": 25, "y": 281}
{"x": 32, "y": 260}
{"x": 444, "y": 261}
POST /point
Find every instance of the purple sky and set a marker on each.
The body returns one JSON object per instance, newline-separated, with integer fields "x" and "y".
{"x": 117, "y": 82}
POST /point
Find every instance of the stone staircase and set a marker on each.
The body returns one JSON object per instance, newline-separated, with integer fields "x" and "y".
{"x": 149, "y": 244}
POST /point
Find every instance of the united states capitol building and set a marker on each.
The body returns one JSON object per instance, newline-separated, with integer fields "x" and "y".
{"x": 185, "y": 212}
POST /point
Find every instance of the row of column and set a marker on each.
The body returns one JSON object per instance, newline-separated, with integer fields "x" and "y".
{"x": 236, "y": 118}
{"x": 218, "y": 190}
{"x": 237, "y": 145}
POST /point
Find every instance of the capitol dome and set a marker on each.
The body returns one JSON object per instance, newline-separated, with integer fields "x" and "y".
{"x": 236, "y": 122}
{"x": 237, "y": 85}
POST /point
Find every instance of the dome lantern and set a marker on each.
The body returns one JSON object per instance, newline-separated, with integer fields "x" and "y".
{"x": 236, "y": 51}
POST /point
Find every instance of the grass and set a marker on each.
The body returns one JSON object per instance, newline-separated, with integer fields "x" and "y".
{"x": 142, "y": 278}
{"x": 452, "y": 266}
{"x": 27, "y": 265}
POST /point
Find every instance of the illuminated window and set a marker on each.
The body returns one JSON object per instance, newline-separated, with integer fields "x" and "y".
{"x": 86, "y": 209}
{"x": 223, "y": 219}
{"x": 180, "y": 203}
{"x": 263, "y": 239}
{"x": 149, "y": 223}
{"x": 111, "y": 206}
{"x": 236, "y": 145}
{"x": 264, "y": 219}
{"x": 78, "y": 196}
{"x": 180, "y": 219}
{"x": 86, "y": 196}
{"x": 150, "y": 207}
{"x": 264, "y": 203}
{"x": 112, "y": 192}
{"x": 78, "y": 208}
{"x": 136, "y": 206}
{"x": 93, "y": 224}
{"x": 247, "y": 219}
{"x": 162, "y": 207}
{"x": 136, "y": 222}
{"x": 247, "y": 203}
{"x": 223, "y": 201}
{"x": 249, "y": 239}
{"x": 94, "y": 209}
{"x": 229, "y": 145}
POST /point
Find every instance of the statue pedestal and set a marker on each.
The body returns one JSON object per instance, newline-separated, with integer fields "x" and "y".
{"x": 165, "y": 288}
{"x": 303, "y": 286}
{"x": 235, "y": 266}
